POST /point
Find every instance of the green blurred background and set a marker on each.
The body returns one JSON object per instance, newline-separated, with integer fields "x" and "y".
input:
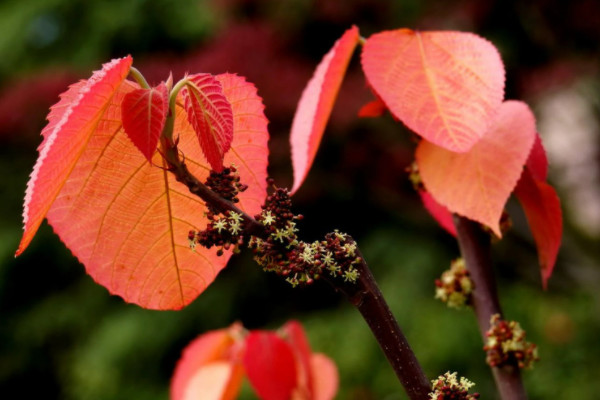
{"x": 65, "y": 337}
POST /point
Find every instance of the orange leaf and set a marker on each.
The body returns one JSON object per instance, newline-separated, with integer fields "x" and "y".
{"x": 71, "y": 123}
{"x": 445, "y": 86}
{"x": 210, "y": 367}
{"x": 542, "y": 209}
{"x": 477, "y": 184}
{"x": 210, "y": 115}
{"x": 128, "y": 221}
{"x": 144, "y": 112}
{"x": 316, "y": 104}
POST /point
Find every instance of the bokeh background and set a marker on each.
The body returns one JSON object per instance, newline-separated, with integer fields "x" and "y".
{"x": 65, "y": 337}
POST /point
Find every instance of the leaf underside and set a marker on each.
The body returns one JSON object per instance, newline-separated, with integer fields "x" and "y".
{"x": 477, "y": 184}
{"x": 445, "y": 86}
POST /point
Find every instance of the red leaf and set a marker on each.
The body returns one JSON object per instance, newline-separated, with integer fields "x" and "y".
{"x": 299, "y": 343}
{"x": 542, "y": 208}
{"x": 144, "y": 112}
{"x": 372, "y": 109}
{"x": 316, "y": 104}
{"x": 537, "y": 161}
{"x": 438, "y": 212}
{"x": 71, "y": 122}
{"x": 270, "y": 365}
{"x": 445, "y": 86}
{"x": 477, "y": 184}
{"x": 210, "y": 115}
{"x": 210, "y": 367}
{"x": 124, "y": 219}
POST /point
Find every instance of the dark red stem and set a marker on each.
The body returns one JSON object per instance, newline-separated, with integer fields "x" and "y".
{"x": 364, "y": 294}
{"x": 475, "y": 247}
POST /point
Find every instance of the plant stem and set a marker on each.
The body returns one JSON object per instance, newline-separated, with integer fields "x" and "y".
{"x": 475, "y": 248}
{"x": 364, "y": 294}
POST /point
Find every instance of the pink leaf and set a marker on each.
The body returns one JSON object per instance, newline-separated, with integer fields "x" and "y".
{"x": 316, "y": 104}
{"x": 210, "y": 115}
{"x": 445, "y": 86}
{"x": 210, "y": 367}
{"x": 477, "y": 184}
{"x": 144, "y": 112}
{"x": 71, "y": 123}
{"x": 325, "y": 377}
{"x": 542, "y": 208}
{"x": 270, "y": 365}
{"x": 438, "y": 212}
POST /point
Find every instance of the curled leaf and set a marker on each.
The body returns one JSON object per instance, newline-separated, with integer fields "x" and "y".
{"x": 316, "y": 104}
{"x": 144, "y": 112}
{"x": 445, "y": 86}
{"x": 210, "y": 115}
{"x": 477, "y": 184}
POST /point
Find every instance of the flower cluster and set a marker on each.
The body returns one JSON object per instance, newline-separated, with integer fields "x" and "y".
{"x": 506, "y": 345}
{"x": 222, "y": 230}
{"x": 298, "y": 261}
{"x": 455, "y": 286}
{"x": 447, "y": 387}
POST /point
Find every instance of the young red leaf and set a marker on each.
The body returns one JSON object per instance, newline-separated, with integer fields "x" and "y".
{"x": 438, "y": 212}
{"x": 445, "y": 86}
{"x": 210, "y": 115}
{"x": 477, "y": 184}
{"x": 126, "y": 220}
{"x": 71, "y": 123}
{"x": 542, "y": 209}
{"x": 210, "y": 367}
{"x": 270, "y": 365}
{"x": 316, "y": 104}
{"x": 144, "y": 112}
{"x": 537, "y": 161}
{"x": 372, "y": 109}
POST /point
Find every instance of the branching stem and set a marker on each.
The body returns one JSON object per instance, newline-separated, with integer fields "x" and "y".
{"x": 475, "y": 247}
{"x": 364, "y": 293}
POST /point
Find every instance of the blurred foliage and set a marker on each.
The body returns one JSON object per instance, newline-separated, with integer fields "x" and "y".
{"x": 63, "y": 335}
